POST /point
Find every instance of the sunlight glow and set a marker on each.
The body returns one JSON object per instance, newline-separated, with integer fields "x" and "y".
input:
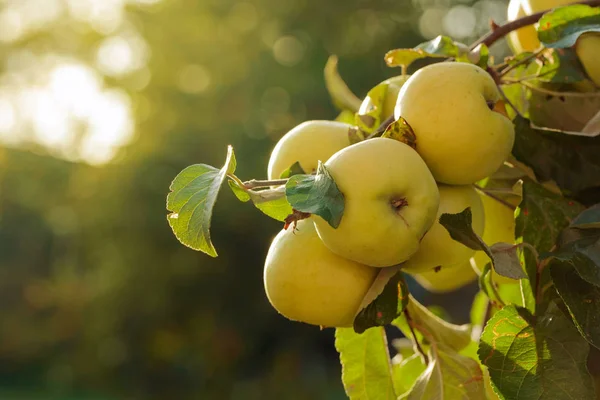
{"x": 62, "y": 103}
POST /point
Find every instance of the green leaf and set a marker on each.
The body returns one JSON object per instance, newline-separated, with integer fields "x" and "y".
{"x": 506, "y": 260}
{"x": 440, "y": 47}
{"x": 542, "y": 361}
{"x": 588, "y": 219}
{"x": 563, "y": 113}
{"x": 449, "y": 375}
{"x": 541, "y": 216}
{"x": 316, "y": 194}
{"x": 571, "y": 161}
{"x": 561, "y": 27}
{"x": 346, "y": 116}
{"x": 341, "y": 95}
{"x": 388, "y": 305}
{"x": 503, "y": 255}
{"x": 406, "y": 372}
{"x": 366, "y": 365}
{"x": 584, "y": 255}
{"x": 368, "y": 120}
{"x": 191, "y": 200}
{"x": 459, "y": 226}
{"x": 443, "y": 333}
{"x": 581, "y": 298}
{"x": 294, "y": 169}
{"x": 272, "y": 202}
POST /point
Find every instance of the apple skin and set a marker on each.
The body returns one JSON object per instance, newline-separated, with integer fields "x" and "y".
{"x": 499, "y": 227}
{"x": 306, "y": 282}
{"x": 389, "y": 103}
{"x": 391, "y": 201}
{"x": 587, "y": 48}
{"x": 459, "y": 136}
{"x": 437, "y": 248}
{"x": 308, "y": 143}
{"x": 446, "y": 279}
{"x": 525, "y": 38}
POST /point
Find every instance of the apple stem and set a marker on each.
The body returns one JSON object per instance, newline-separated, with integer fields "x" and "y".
{"x": 502, "y": 30}
{"x": 254, "y": 183}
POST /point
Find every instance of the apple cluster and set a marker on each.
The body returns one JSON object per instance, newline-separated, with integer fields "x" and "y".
{"x": 394, "y": 194}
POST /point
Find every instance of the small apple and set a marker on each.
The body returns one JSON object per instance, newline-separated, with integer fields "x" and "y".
{"x": 437, "y": 248}
{"x": 588, "y": 51}
{"x": 308, "y": 143}
{"x": 446, "y": 279}
{"x": 458, "y": 117}
{"x": 391, "y": 200}
{"x": 499, "y": 227}
{"x": 394, "y": 85}
{"x": 522, "y": 39}
{"x": 306, "y": 282}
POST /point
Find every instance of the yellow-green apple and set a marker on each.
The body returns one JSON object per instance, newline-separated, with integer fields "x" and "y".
{"x": 437, "y": 248}
{"x": 499, "y": 227}
{"x": 306, "y": 282}
{"x": 459, "y": 119}
{"x": 446, "y": 279}
{"x": 394, "y": 85}
{"x": 522, "y": 39}
{"x": 308, "y": 143}
{"x": 587, "y": 48}
{"x": 390, "y": 201}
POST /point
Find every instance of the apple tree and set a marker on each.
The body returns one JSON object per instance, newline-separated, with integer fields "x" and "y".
{"x": 461, "y": 168}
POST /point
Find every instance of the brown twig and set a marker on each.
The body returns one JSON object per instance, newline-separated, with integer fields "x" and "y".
{"x": 502, "y": 30}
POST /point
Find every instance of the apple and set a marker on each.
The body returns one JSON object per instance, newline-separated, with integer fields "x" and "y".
{"x": 437, "y": 248}
{"x": 499, "y": 227}
{"x": 522, "y": 39}
{"x": 458, "y": 117}
{"x": 394, "y": 85}
{"x": 446, "y": 279}
{"x": 308, "y": 143}
{"x": 390, "y": 201}
{"x": 306, "y": 282}
{"x": 587, "y": 48}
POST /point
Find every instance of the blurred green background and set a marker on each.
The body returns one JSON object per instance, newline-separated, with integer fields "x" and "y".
{"x": 102, "y": 103}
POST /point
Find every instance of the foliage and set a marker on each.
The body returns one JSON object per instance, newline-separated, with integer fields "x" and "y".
{"x": 535, "y": 349}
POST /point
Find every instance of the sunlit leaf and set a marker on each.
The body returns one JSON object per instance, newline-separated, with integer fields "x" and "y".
{"x": 272, "y": 202}
{"x": 449, "y": 375}
{"x": 316, "y": 194}
{"x": 455, "y": 337}
{"x": 401, "y": 131}
{"x": 440, "y": 47}
{"x": 406, "y": 372}
{"x": 366, "y": 364}
{"x": 535, "y": 361}
{"x": 561, "y": 27}
{"x": 191, "y": 200}
{"x": 340, "y": 93}
{"x": 294, "y": 169}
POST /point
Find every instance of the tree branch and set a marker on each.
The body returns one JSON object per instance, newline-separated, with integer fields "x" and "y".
{"x": 502, "y": 30}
